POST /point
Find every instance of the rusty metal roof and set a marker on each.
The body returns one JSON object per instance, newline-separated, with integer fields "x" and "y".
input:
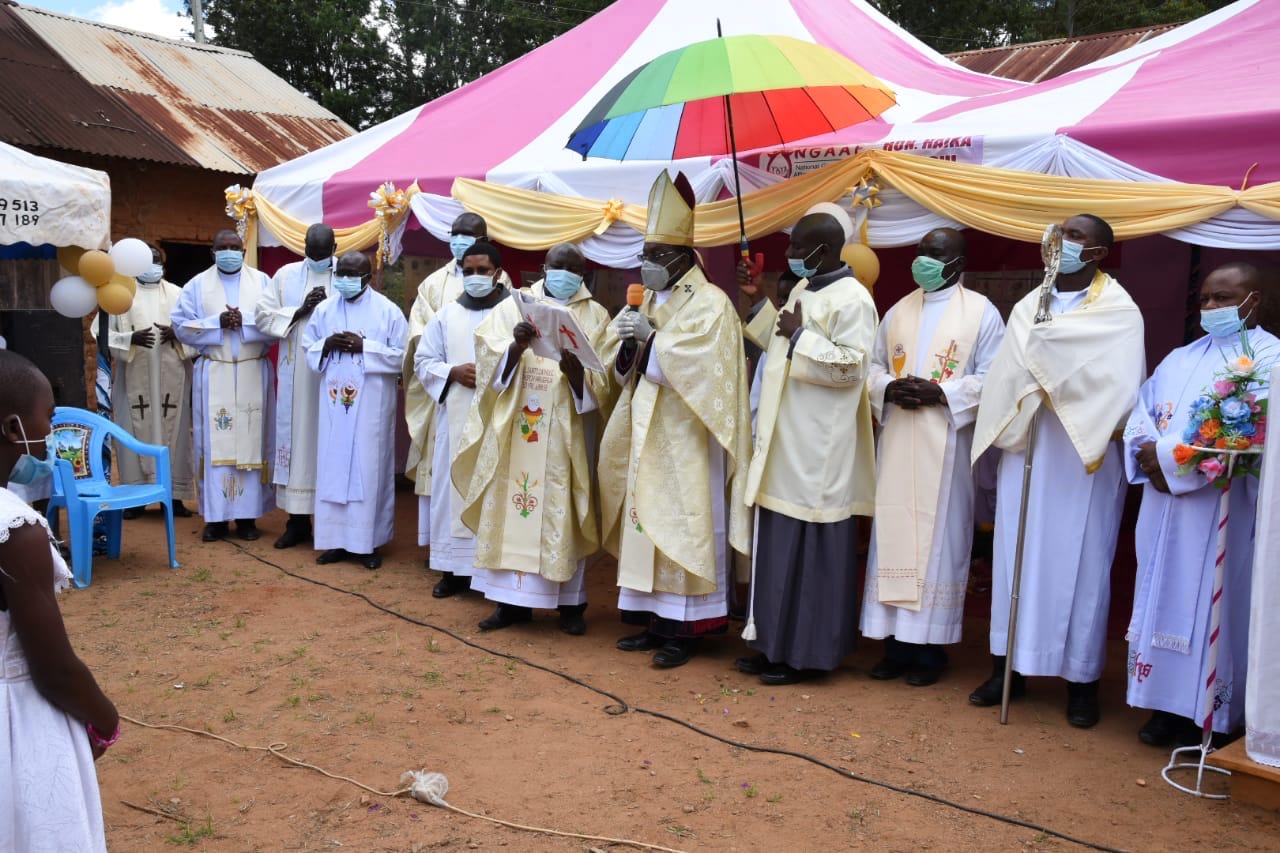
{"x": 90, "y": 87}
{"x": 1042, "y": 60}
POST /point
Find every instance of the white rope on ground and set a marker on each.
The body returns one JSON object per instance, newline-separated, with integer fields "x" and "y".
{"x": 426, "y": 787}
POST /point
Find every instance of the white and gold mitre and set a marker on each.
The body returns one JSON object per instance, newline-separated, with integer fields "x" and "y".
{"x": 670, "y": 211}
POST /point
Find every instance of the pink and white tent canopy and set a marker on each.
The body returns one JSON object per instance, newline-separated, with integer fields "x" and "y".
{"x": 1197, "y": 104}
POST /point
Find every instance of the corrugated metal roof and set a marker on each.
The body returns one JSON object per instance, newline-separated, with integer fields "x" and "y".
{"x": 100, "y": 89}
{"x": 1042, "y": 60}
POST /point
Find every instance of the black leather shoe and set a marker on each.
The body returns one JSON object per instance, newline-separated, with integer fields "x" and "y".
{"x": 505, "y": 616}
{"x": 448, "y": 585}
{"x": 642, "y": 642}
{"x": 923, "y": 676}
{"x": 991, "y": 691}
{"x": 215, "y": 530}
{"x": 132, "y": 512}
{"x": 887, "y": 670}
{"x": 180, "y": 510}
{"x": 675, "y": 653}
{"x": 295, "y": 533}
{"x": 781, "y": 674}
{"x": 369, "y": 561}
{"x": 247, "y": 529}
{"x": 571, "y": 620}
{"x": 1163, "y": 729}
{"x": 333, "y": 555}
{"x": 1082, "y": 704}
{"x": 753, "y": 665}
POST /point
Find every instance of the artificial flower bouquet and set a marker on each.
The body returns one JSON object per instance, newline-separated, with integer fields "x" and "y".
{"x": 1228, "y": 416}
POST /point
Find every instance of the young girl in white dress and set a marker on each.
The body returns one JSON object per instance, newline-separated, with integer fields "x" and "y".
{"x": 54, "y": 720}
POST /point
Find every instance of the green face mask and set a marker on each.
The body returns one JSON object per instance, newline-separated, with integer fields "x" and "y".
{"x": 930, "y": 273}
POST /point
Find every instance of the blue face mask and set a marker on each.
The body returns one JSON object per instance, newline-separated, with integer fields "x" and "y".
{"x": 459, "y": 243}
{"x": 348, "y": 286}
{"x": 562, "y": 283}
{"x": 1071, "y": 261}
{"x": 798, "y": 265}
{"x": 322, "y": 265}
{"x": 29, "y": 469}
{"x": 1224, "y": 322}
{"x": 229, "y": 260}
{"x": 477, "y": 286}
{"x": 154, "y": 273}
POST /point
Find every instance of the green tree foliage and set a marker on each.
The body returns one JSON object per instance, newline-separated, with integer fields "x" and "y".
{"x": 370, "y": 60}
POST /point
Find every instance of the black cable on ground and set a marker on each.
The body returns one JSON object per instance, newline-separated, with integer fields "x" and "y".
{"x": 620, "y": 707}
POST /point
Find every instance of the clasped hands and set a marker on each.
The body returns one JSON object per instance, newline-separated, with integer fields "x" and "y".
{"x": 344, "y": 342}
{"x": 912, "y": 392}
{"x": 147, "y": 337}
{"x": 633, "y": 326}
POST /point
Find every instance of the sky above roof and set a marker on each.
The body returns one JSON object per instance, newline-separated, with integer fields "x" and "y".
{"x": 162, "y": 17}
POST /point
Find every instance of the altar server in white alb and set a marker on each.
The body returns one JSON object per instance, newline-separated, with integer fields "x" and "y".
{"x": 296, "y": 289}
{"x": 1082, "y": 371}
{"x": 231, "y": 390}
{"x": 1177, "y": 534}
{"x": 932, "y": 353}
{"x": 151, "y": 394}
{"x": 355, "y": 343}
{"x": 437, "y": 290}
{"x": 523, "y": 467}
{"x": 445, "y": 364}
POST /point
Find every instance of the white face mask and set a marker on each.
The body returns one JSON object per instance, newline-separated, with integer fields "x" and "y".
{"x": 154, "y": 273}
{"x": 477, "y": 286}
{"x": 656, "y": 276}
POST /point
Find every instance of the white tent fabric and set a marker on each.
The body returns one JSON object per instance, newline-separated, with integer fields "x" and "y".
{"x": 44, "y": 201}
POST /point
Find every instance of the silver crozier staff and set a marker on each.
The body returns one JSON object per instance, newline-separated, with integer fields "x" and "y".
{"x": 1051, "y": 253}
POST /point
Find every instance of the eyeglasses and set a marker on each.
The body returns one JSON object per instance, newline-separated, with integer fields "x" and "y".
{"x": 655, "y": 257}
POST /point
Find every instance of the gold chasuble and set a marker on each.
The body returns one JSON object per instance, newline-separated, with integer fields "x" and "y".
{"x": 522, "y": 465}
{"x": 1088, "y": 364}
{"x": 655, "y": 476}
{"x": 814, "y": 455}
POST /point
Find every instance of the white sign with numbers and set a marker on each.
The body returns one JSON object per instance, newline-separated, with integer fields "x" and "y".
{"x": 45, "y": 201}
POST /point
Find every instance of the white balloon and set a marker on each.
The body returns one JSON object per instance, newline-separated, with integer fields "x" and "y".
{"x": 132, "y": 256}
{"x": 74, "y": 297}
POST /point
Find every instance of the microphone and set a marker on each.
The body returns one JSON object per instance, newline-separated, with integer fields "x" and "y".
{"x": 635, "y": 296}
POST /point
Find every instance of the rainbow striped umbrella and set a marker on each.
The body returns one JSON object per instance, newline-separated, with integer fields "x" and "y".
{"x": 739, "y": 92}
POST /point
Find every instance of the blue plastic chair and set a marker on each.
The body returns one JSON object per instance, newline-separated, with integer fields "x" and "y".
{"x": 81, "y": 487}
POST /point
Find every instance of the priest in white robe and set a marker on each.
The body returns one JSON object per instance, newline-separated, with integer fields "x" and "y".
{"x": 295, "y": 291}
{"x": 1262, "y": 696}
{"x": 445, "y": 364}
{"x": 524, "y": 465}
{"x": 1177, "y": 533}
{"x": 932, "y": 354}
{"x": 151, "y": 391}
{"x": 813, "y": 469}
{"x": 354, "y": 342}
{"x": 437, "y": 290}
{"x": 1081, "y": 372}
{"x": 231, "y": 390}
{"x": 674, "y": 456}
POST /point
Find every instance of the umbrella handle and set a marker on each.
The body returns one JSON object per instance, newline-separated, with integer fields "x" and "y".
{"x": 756, "y": 266}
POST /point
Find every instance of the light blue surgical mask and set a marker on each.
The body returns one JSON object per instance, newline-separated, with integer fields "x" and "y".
{"x": 1071, "y": 261}
{"x": 154, "y": 273}
{"x": 799, "y": 266}
{"x": 29, "y": 468}
{"x": 322, "y": 265}
{"x": 348, "y": 286}
{"x": 229, "y": 260}
{"x": 930, "y": 273}
{"x": 459, "y": 243}
{"x": 562, "y": 283}
{"x": 477, "y": 286}
{"x": 1224, "y": 322}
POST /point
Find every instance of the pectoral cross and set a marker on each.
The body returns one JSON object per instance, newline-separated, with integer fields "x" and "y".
{"x": 573, "y": 339}
{"x": 141, "y": 407}
{"x": 166, "y": 406}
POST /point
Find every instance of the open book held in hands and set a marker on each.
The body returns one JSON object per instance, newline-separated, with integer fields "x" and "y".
{"x": 557, "y": 331}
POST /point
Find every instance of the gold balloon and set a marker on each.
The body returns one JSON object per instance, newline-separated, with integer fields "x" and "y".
{"x": 96, "y": 268}
{"x": 114, "y": 298}
{"x": 126, "y": 281}
{"x": 863, "y": 262}
{"x": 69, "y": 258}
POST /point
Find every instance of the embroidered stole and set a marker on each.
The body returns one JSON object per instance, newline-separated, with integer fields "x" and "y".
{"x": 913, "y": 445}
{"x": 234, "y": 386}
{"x": 531, "y": 429}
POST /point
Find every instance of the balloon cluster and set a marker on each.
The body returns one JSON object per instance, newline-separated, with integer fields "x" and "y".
{"x": 105, "y": 280}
